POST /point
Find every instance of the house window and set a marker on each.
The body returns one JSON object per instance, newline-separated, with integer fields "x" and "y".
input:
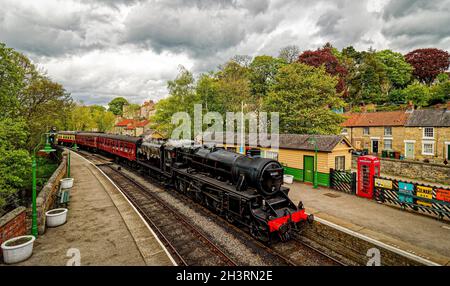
{"x": 344, "y": 131}
{"x": 271, "y": 155}
{"x": 388, "y": 144}
{"x": 366, "y": 131}
{"x": 339, "y": 163}
{"x": 387, "y": 131}
{"x": 428, "y": 132}
{"x": 427, "y": 148}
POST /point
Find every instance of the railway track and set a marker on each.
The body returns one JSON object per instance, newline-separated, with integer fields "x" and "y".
{"x": 156, "y": 212}
{"x": 188, "y": 246}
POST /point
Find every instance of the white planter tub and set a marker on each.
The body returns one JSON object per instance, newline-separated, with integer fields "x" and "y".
{"x": 56, "y": 217}
{"x": 66, "y": 183}
{"x": 17, "y": 253}
{"x": 288, "y": 179}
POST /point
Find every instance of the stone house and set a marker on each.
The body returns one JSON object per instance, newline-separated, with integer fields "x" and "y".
{"x": 132, "y": 127}
{"x": 427, "y": 135}
{"x": 414, "y": 134}
{"x": 147, "y": 109}
{"x": 376, "y": 131}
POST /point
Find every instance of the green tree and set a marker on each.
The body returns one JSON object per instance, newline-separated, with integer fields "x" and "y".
{"x": 116, "y": 105}
{"x": 15, "y": 162}
{"x": 368, "y": 82}
{"x": 11, "y": 81}
{"x": 42, "y": 103}
{"x": 104, "y": 120}
{"x": 182, "y": 97}
{"x": 440, "y": 90}
{"x": 263, "y": 70}
{"x": 419, "y": 94}
{"x": 233, "y": 82}
{"x": 397, "y": 69}
{"x": 304, "y": 95}
{"x": 81, "y": 118}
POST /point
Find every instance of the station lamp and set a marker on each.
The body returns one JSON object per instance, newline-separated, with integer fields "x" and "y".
{"x": 47, "y": 149}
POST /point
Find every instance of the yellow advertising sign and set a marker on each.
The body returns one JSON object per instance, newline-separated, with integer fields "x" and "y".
{"x": 425, "y": 204}
{"x": 385, "y": 184}
{"x": 424, "y": 192}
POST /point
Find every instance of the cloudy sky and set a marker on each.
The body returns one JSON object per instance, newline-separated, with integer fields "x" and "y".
{"x": 100, "y": 49}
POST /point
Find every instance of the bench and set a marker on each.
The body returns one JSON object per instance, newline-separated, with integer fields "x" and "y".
{"x": 63, "y": 196}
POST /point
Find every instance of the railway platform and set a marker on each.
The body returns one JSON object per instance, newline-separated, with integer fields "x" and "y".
{"x": 419, "y": 235}
{"x": 102, "y": 227}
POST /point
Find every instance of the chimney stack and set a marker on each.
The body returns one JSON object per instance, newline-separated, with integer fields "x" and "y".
{"x": 410, "y": 107}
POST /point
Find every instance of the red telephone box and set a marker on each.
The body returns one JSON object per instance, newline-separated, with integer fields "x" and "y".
{"x": 368, "y": 167}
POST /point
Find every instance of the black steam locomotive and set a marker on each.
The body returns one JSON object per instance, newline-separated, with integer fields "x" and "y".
{"x": 242, "y": 189}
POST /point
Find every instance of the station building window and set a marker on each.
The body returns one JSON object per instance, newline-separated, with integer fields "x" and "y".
{"x": 339, "y": 163}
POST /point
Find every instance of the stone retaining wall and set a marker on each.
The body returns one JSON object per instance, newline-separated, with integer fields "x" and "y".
{"x": 13, "y": 224}
{"x": 47, "y": 196}
{"x": 414, "y": 169}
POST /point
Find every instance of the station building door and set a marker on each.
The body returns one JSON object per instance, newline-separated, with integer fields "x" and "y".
{"x": 308, "y": 169}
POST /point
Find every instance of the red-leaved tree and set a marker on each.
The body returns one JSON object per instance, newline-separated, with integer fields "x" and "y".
{"x": 325, "y": 57}
{"x": 428, "y": 63}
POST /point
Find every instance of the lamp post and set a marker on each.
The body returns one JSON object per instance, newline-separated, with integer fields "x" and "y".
{"x": 313, "y": 140}
{"x": 47, "y": 149}
{"x": 74, "y": 148}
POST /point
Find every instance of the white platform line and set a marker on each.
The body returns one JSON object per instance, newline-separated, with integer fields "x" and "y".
{"x": 377, "y": 242}
{"x": 134, "y": 208}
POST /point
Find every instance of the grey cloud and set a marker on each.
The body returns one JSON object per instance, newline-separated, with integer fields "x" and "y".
{"x": 347, "y": 23}
{"x": 415, "y": 24}
{"x": 199, "y": 28}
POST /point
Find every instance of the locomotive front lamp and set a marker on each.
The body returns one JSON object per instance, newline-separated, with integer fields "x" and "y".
{"x": 47, "y": 149}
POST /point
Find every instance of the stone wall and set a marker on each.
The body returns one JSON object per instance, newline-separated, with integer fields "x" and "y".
{"x": 47, "y": 196}
{"x": 13, "y": 224}
{"x": 414, "y": 170}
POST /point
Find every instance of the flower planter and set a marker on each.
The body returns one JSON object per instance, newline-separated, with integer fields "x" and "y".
{"x": 56, "y": 217}
{"x": 288, "y": 179}
{"x": 66, "y": 183}
{"x": 17, "y": 249}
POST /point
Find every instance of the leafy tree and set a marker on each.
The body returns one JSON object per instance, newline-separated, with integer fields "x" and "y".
{"x": 104, "y": 120}
{"x": 263, "y": 70}
{"x": 304, "y": 95}
{"x": 428, "y": 63}
{"x": 116, "y": 105}
{"x": 15, "y": 162}
{"x": 332, "y": 65}
{"x": 233, "y": 82}
{"x": 207, "y": 89}
{"x": 417, "y": 93}
{"x": 289, "y": 53}
{"x": 368, "y": 82}
{"x": 11, "y": 81}
{"x": 397, "y": 69}
{"x": 42, "y": 103}
{"x": 440, "y": 90}
{"x": 182, "y": 97}
{"x": 81, "y": 118}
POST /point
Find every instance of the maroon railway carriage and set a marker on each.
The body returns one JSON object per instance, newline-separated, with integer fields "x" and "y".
{"x": 87, "y": 139}
{"x": 119, "y": 145}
